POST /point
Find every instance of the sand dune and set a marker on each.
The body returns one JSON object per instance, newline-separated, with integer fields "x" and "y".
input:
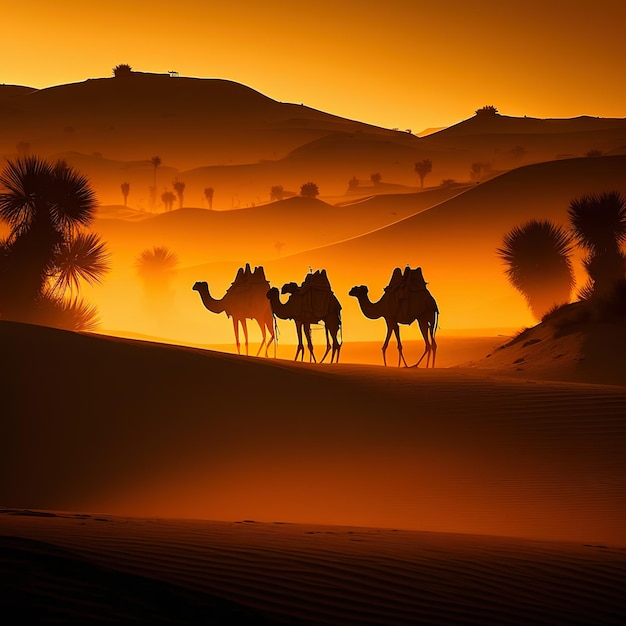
{"x": 152, "y": 429}
{"x": 172, "y": 571}
{"x": 229, "y": 136}
{"x": 152, "y": 483}
{"x": 202, "y": 236}
{"x": 172, "y": 481}
{"x": 455, "y": 242}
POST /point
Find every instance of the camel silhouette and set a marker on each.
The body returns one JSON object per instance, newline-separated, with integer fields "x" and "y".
{"x": 405, "y": 300}
{"x": 310, "y": 303}
{"x": 244, "y": 299}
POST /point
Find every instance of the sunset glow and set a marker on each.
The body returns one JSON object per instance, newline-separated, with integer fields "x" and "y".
{"x": 398, "y": 65}
{"x": 313, "y": 313}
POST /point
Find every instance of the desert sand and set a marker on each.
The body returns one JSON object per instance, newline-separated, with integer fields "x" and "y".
{"x": 151, "y": 474}
{"x": 164, "y": 484}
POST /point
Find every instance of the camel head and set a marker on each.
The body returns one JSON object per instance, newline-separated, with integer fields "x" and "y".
{"x": 358, "y": 290}
{"x": 200, "y": 285}
{"x": 289, "y": 288}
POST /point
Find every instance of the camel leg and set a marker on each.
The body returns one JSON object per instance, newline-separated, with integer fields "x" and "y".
{"x": 263, "y": 335}
{"x": 309, "y": 342}
{"x": 236, "y": 329}
{"x": 327, "y": 345}
{"x": 270, "y": 334}
{"x": 424, "y": 328}
{"x": 336, "y": 349}
{"x": 401, "y": 358}
{"x": 244, "y": 325}
{"x": 433, "y": 343}
{"x": 300, "y": 349}
{"x": 386, "y": 343}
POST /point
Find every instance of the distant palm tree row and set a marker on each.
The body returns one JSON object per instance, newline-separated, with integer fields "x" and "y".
{"x": 49, "y": 250}
{"x": 538, "y": 253}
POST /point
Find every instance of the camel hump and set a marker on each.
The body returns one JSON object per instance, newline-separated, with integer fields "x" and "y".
{"x": 395, "y": 281}
{"x": 248, "y": 285}
{"x": 415, "y": 279}
{"x": 319, "y": 299}
{"x": 259, "y": 273}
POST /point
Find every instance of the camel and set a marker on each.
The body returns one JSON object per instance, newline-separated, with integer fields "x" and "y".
{"x": 310, "y": 303}
{"x": 245, "y": 299}
{"x": 405, "y": 300}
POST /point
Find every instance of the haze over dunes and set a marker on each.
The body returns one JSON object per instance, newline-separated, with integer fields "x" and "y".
{"x": 453, "y": 233}
{"x": 155, "y": 475}
{"x": 229, "y": 136}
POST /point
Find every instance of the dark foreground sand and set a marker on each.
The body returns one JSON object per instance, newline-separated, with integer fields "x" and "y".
{"x": 337, "y": 494}
{"x": 80, "y": 568}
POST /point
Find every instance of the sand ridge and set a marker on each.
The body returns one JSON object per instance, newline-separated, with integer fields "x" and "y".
{"x": 276, "y": 573}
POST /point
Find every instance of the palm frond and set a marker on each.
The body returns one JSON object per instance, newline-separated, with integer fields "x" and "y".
{"x": 157, "y": 261}
{"x": 83, "y": 257}
{"x": 534, "y": 250}
{"x": 73, "y": 201}
{"x": 599, "y": 220}
{"x": 68, "y": 314}
{"x": 25, "y": 183}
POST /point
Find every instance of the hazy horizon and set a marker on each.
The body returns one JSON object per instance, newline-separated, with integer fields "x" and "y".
{"x": 406, "y": 67}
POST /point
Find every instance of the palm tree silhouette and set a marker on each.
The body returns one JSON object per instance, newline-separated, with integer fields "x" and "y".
{"x": 423, "y": 168}
{"x": 168, "y": 198}
{"x": 599, "y": 225}
{"x": 208, "y": 194}
{"x": 179, "y": 188}
{"x": 537, "y": 254}
{"x": 156, "y": 268}
{"x": 47, "y": 207}
{"x": 125, "y": 191}
{"x": 156, "y": 162}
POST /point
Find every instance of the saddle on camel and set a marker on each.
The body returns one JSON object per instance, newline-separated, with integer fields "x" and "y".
{"x": 316, "y": 296}
{"x": 409, "y": 290}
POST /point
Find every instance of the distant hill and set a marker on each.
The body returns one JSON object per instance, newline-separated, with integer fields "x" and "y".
{"x": 225, "y": 135}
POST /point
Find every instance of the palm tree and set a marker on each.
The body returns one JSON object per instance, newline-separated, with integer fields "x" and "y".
{"x": 537, "y": 254}
{"x": 179, "y": 188}
{"x": 156, "y": 263}
{"x": 208, "y": 194}
{"x": 125, "y": 191}
{"x": 47, "y": 206}
{"x": 599, "y": 225}
{"x": 156, "y": 162}
{"x": 155, "y": 268}
{"x": 375, "y": 178}
{"x": 168, "y": 198}
{"x": 83, "y": 257}
{"x": 423, "y": 168}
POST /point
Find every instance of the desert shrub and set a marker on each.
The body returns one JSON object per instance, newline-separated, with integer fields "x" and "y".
{"x": 122, "y": 70}
{"x": 488, "y": 110}
{"x": 309, "y": 190}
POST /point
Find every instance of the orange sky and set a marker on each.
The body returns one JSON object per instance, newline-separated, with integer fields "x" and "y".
{"x": 398, "y": 64}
